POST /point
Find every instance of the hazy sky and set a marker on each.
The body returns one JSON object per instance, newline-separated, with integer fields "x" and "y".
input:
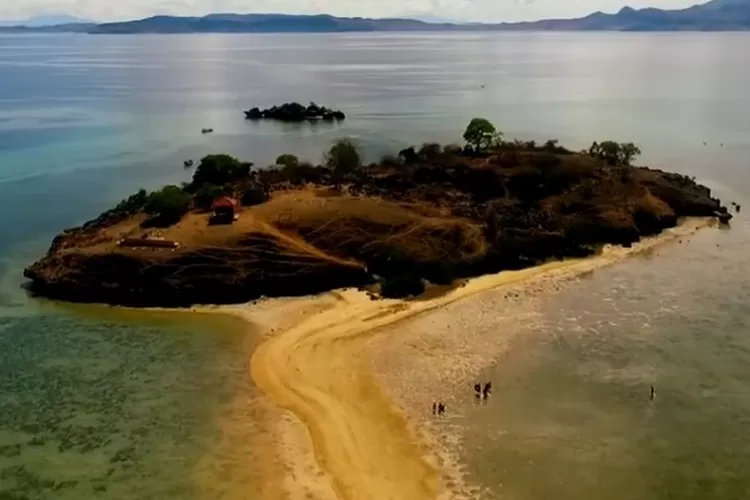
{"x": 480, "y": 10}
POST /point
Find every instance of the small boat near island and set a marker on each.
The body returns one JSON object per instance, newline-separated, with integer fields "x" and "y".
{"x": 188, "y": 163}
{"x": 207, "y": 131}
{"x": 295, "y": 112}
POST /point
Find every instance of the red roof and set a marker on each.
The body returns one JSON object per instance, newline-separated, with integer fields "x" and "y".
{"x": 225, "y": 202}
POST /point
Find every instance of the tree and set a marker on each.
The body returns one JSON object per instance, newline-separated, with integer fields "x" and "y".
{"x": 287, "y": 160}
{"x": 628, "y": 152}
{"x": 206, "y": 195}
{"x": 169, "y": 204}
{"x": 343, "y": 157}
{"x": 614, "y": 153}
{"x": 133, "y": 203}
{"x": 480, "y": 133}
{"x": 219, "y": 170}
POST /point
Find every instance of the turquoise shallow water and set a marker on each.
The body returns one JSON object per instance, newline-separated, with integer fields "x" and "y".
{"x": 129, "y": 406}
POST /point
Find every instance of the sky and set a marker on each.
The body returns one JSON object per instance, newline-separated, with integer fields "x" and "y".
{"x": 475, "y": 10}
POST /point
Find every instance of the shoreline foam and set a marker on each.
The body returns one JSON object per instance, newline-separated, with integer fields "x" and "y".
{"x": 334, "y": 362}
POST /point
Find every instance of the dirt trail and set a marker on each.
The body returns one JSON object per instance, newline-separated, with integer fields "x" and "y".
{"x": 313, "y": 367}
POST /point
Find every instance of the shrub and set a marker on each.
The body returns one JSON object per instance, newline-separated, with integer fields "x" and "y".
{"x": 430, "y": 150}
{"x": 480, "y": 134}
{"x": 254, "y": 193}
{"x": 614, "y": 153}
{"x": 343, "y": 157}
{"x": 206, "y": 195}
{"x": 546, "y": 161}
{"x": 219, "y": 170}
{"x": 409, "y": 155}
{"x": 390, "y": 160}
{"x": 287, "y": 160}
{"x": 452, "y": 149}
{"x": 402, "y": 285}
{"x": 134, "y": 203}
{"x": 169, "y": 204}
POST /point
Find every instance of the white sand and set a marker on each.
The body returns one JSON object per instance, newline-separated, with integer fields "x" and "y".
{"x": 325, "y": 358}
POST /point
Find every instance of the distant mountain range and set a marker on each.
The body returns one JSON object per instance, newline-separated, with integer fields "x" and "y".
{"x": 716, "y": 15}
{"x": 46, "y": 20}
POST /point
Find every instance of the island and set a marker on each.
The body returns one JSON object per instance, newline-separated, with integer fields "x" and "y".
{"x": 429, "y": 215}
{"x": 295, "y": 112}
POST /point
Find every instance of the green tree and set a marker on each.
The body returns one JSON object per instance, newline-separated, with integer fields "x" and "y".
{"x": 133, "y": 203}
{"x": 207, "y": 193}
{"x": 343, "y": 157}
{"x": 169, "y": 204}
{"x": 628, "y": 153}
{"x": 480, "y": 134}
{"x": 287, "y": 160}
{"x": 219, "y": 170}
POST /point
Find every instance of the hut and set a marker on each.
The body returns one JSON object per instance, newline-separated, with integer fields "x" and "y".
{"x": 225, "y": 209}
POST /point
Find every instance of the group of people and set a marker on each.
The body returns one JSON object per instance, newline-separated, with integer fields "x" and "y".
{"x": 438, "y": 408}
{"x": 481, "y": 392}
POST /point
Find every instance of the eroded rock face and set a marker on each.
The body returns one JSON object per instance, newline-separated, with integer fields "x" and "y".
{"x": 454, "y": 216}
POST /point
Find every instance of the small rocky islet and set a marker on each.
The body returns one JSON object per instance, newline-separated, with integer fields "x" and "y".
{"x": 295, "y": 112}
{"x": 429, "y": 214}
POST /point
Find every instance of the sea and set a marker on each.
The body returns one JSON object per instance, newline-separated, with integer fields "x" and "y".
{"x": 113, "y": 404}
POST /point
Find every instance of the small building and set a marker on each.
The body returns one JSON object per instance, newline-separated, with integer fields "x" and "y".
{"x": 225, "y": 209}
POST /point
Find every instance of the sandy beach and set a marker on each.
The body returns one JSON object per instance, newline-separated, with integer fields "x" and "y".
{"x": 356, "y": 377}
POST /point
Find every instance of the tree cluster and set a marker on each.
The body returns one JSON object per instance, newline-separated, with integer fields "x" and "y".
{"x": 615, "y": 153}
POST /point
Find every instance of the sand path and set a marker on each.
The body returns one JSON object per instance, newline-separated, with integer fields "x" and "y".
{"x": 312, "y": 367}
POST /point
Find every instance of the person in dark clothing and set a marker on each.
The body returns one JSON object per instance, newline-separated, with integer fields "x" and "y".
{"x": 434, "y": 408}
{"x": 478, "y": 390}
{"x": 487, "y": 389}
{"x": 653, "y": 393}
{"x": 441, "y": 408}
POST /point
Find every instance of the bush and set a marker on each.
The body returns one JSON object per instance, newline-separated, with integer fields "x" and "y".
{"x": 343, "y": 157}
{"x": 390, "y": 160}
{"x": 546, "y": 161}
{"x": 430, "y": 150}
{"x": 480, "y": 134}
{"x": 206, "y": 195}
{"x": 453, "y": 149}
{"x": 403, "y": 285}
{"x": 409, "y": 155}
{"x": 133, "y": 203}
{"x": 254, "y": 193}
{"x": 287, "y": 160}
{"x": 219, "y": 170}
{"x": 614, "y": 153}
{"x": 169, "y": 204}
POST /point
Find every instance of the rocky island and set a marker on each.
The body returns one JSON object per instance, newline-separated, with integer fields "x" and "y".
{"x": 432, "y": 214}
{"x": 295, "y": 112}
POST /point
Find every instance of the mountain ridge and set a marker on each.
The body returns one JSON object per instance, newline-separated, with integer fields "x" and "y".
{"x": 715, "y": 15}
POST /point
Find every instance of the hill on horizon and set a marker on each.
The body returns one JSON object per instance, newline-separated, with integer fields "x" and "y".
{"x": 46, "y": 20}
{"x": 715, "y": 15}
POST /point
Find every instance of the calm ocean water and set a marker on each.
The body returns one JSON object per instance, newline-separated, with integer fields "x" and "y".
{"x": 110, "y": 405}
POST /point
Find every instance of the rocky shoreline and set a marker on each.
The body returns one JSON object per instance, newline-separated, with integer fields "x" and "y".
{"x": 429, "y": 215}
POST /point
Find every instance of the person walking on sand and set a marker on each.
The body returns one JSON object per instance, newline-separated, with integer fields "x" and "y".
{"x": 487, "y": 389}
{"x": 478, "y": 390}
{"x": 434, "y": 408}
{"x": 441, "y": 408}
